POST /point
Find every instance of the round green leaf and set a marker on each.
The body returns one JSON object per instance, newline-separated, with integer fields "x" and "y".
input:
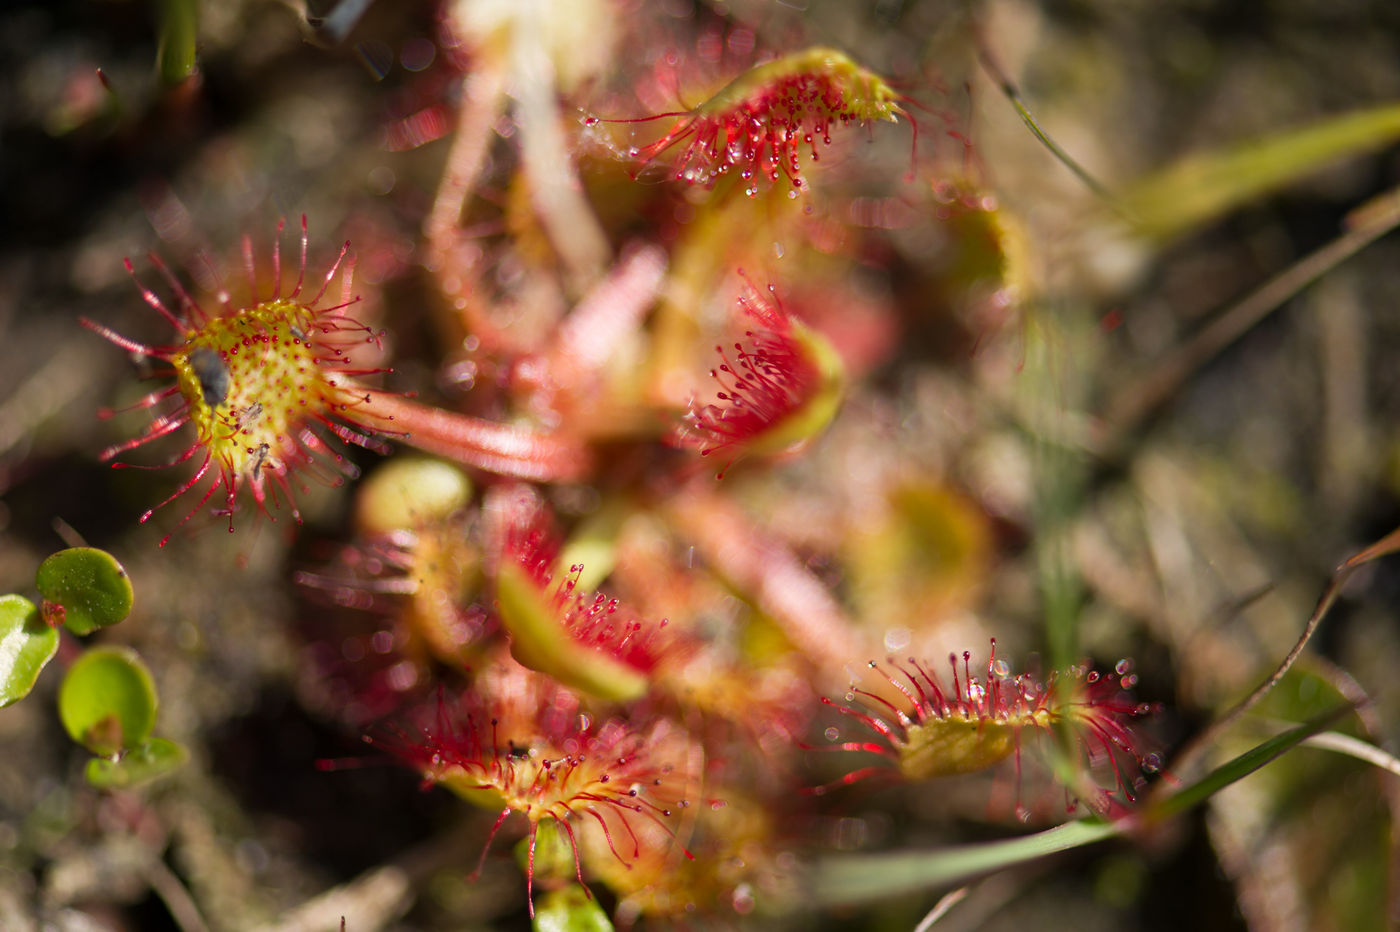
{"x": 108, "y": 701}
{"x": 26, "y": 644}
{"x": 153, "y": 759}
{"x": 84, "y": 588}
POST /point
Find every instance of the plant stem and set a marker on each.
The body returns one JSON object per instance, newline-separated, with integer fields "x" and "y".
{"x": 1386, "y": 545}
{"x": 1013, "y": 95}
{"x": 766, "y": 572}
{"x": 504, "y": 449}
{"x": 1136, "y": 402}
{"x": 555, "y": 188}
{"x": 453, "y": 261}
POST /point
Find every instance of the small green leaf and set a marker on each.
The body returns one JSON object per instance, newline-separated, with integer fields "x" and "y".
{"x": 26, "y": 644}
{"x": 84, "y": 588}
{"x": 108, "y": 701}
{"x": 570, "y": 910}
{"x": 155, "y": 758}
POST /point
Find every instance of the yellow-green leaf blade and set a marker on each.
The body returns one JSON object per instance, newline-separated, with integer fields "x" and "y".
{"x": 1203, "y": 186}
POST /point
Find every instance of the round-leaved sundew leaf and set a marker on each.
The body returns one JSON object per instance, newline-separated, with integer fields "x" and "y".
{"x": 761, "y": 123}
{"x": 264, "y": 386}
{"x": 26, "y": 644}
{"x": 88, "y": 585}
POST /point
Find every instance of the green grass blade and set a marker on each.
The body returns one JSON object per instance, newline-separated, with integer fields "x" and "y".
{"x": 1201, "y": 187}
{"x": 849, "y": 879}
{"x": 177, "y": 48}
{"x": 1239, "y": 768}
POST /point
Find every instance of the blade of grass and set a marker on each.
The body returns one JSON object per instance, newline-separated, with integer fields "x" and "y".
{"x": 850, "y": 879}
{"x": 942, "y": 908}
{"x": 1164, "y": 808}
{"x": 1355, "y": 747}
{"x": 1202, "y": 187}
{"x": 1058, "y": 483}
{"x": 1386, "y": 545}
{"x": 1058, "y": 471}
{"x": 177, "y": 46}
{"x": 1012, "y": 93}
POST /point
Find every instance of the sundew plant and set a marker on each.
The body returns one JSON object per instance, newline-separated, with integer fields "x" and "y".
{"x": 731, "y": 464}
